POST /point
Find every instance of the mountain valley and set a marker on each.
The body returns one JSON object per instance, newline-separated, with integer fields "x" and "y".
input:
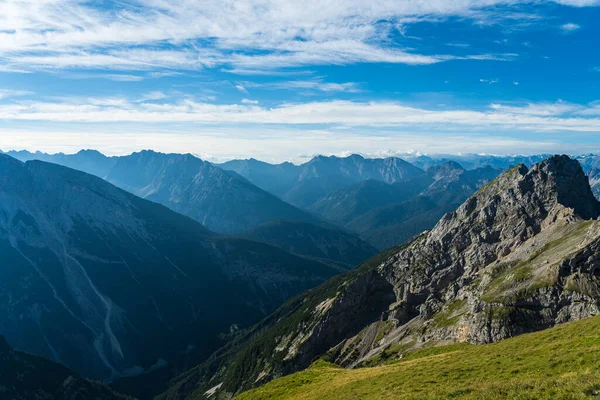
{"x": 112, "y": 285}
{"x": 155, "y": 302}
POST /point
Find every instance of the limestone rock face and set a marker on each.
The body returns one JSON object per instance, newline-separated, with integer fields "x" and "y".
{"x": 521, "y": 254}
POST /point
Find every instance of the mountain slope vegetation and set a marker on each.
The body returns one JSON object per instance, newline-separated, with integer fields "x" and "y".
{"x": 561, "y": 362}
{"x": 520, "y": 255}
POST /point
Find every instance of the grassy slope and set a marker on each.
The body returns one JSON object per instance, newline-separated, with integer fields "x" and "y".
{"x": 558, "y": 363}
{"x": 244, "y": 357}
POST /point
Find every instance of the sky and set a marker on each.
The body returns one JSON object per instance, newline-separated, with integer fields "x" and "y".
{"x": 285, "y": 80}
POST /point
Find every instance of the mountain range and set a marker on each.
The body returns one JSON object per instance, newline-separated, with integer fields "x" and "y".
{"x": 520, "y": 255}
{"x": 386, "y": 215}
{"x": 384, "y": 201}
{"x": 113, "y": 270}
{"x": 281, "y": 178}
{"x": 221, "y": 201}
{"x": 305, "y": 184}
{"x": 112, "y": 285}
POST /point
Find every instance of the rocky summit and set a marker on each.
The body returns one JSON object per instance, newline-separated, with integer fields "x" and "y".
{"x": 520, "y": 255}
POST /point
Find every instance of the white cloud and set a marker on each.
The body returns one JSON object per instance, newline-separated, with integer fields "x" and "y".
{"x": 151, "y": 96}
{"x": 540, "y": 109}
{"x": 121, "y": 77}
{"x": 316, "y": 84}
{"x": 242, "y": 35}
{"x": 570, "y": 27}
{"x": 578, "y": 3}
{"x": 163, "y": 74}
{"x": 241, "y": 89}
{"x": 248, "y": 101}
{"x": 531, "y": 117}
{"x": 111, "y": 77}
{"x": 6, "y": 93}
{"x": 592, "y": 110}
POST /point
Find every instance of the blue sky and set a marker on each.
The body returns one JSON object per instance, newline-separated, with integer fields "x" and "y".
{"x": 282, "y": 80}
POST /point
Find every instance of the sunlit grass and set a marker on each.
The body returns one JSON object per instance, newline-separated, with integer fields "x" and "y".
{"x": 559, "y": 363}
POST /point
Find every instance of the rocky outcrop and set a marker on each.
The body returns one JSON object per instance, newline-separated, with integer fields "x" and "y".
{"x": 494, "y": 268}
{"x": 520, "y": 255}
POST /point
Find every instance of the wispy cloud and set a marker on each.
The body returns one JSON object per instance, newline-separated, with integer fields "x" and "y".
{"x": 121, "y": 77}
{"x": 6, "y": 93}
{"x": 540, "y": 109}
{"x": 151, "y": 96}
{"x": 570, "y": 27}
{"x": 163, "y": 74}
{"x": 315, "y": 84}
{"x": 240, "y": 36}
{"x": 532, "y": 117}
{"x": 111, "y": 77}
{"x": 241, "y": 89}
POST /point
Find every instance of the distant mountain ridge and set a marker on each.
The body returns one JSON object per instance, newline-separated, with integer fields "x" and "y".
{"x": 296, "y": 180}
{"x": 305, "y": 184}
{"x": 386, "y": 215}
{"x": 359, "y": 194}
{"x": 221, "y": 201}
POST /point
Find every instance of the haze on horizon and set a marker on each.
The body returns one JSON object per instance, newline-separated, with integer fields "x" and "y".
{"x": 278, "y": 81}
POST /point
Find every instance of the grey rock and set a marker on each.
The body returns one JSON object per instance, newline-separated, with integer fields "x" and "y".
{"x": 520, "y": 255}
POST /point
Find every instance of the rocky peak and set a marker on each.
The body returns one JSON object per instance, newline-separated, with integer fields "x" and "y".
{"x": 447, "y": 166}
{"x": 561, "y": 180}
{"x": 519, "y": 203}
{"x": 446, "y": 170}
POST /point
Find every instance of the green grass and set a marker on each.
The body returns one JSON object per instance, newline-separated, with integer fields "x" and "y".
{"x": 451, "y": 315}
{"x": 558, "y": 363}
{"x": 241, "y": 361}
{"x": 516, "y": 279}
